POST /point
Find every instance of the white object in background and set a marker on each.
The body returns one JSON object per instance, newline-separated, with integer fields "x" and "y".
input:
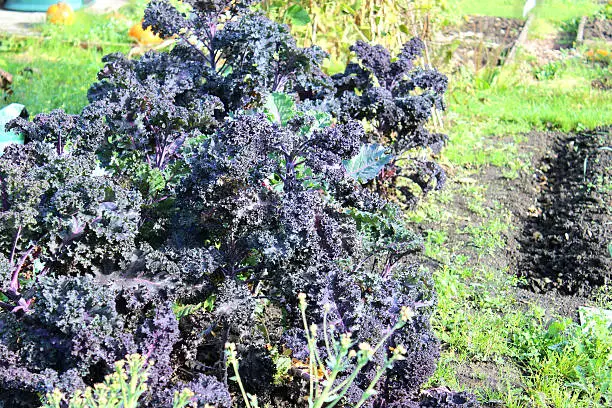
{"x": 587, "y": 314}
{"x": 529, "y": 5}
{"x": 8, "y": 113}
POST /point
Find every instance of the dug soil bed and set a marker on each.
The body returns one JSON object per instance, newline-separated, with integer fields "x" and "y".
{"x": 480, "y": 40}
{"x": 563, "y": 248}
{"x": 497, "y": 30}
{"x": 549, "y": 201}
{"x": 598, "y": 29}
{"x": 603, "y": 84}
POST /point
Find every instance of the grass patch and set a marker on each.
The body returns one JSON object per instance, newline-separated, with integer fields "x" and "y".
{"x": 50, "y": 76}
{"x": 512, "y": 101}
{"x": 109, "y": 28}
{"x": 55, "y": 69}
{"x": 562, "y": 10}
{"x": 500, "y": 8}
{"x": 552, "y": 10}
{"x": 562, "y": 105}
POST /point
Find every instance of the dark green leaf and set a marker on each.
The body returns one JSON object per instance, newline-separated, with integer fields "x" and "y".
{"x": 298, "y": 15}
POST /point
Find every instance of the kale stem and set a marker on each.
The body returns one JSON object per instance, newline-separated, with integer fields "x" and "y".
{"x": 325, "y": 336}
{"x": 15, "y": 277}
{"x": 17, "y": 236}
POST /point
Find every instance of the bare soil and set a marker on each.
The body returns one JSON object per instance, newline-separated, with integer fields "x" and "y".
{"x": 521, "y": 197}
{"x": 480, "y": 41}
{"x": 564, "y": 241}
{"x": 598, "y": 29}
{"x": 545, "y": 50}
{"x": 604, "y": 84}
{"x": 495, "y": 29}
{"x": 562, "y": 219}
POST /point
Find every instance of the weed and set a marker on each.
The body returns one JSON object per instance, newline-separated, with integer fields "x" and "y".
{"x": 123, "y": 388}
{"x": 548, "y": 71}
{"x": 488, "y": 236}
{"x": 567, "y": 361}
{"x": 328, "y": 379}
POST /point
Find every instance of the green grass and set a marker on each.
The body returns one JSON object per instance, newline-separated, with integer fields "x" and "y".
{"x": 96, "y": 28}
{"x": 489, "y": 110}
{"x": 562, "y": 10}
{"x": 52, "y": 75}
{"x": 55, "y": 69}
{"x": 501, "y": 8}
{"x": 553, "y": 10}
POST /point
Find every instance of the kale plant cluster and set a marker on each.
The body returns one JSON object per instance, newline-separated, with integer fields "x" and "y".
{"x": 201, "y": 190}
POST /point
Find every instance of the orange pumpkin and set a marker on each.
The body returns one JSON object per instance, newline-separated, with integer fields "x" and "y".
{"x": 144, "y": 37}
{"x": 60, "y": 13}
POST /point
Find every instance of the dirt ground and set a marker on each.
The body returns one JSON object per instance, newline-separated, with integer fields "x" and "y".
{"x": 564, "y": 216}
{"x": 495, "y": 29}
{"x": 564, "y": 242}
{"x": 598, "y": 29}
{"x": 479, "y": 41}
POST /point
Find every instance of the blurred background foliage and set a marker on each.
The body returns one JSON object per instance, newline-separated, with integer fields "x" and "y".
{"x": 336, "y": 25}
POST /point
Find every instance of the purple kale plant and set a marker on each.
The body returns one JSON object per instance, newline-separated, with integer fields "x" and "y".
{"x": 197, "y": 194}
{"x": 393, "y": 94}
{"x": 299, "y": 223}
{"x": 398, "y": 99}
{"x": 242, "y": 54}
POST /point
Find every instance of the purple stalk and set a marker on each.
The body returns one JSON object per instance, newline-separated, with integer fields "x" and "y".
{"x": 15, "y": 245}
{"x": 15, "y": 278}
{"x": 23, "y": 305}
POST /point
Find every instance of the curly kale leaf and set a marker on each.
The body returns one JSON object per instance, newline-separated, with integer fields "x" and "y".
{"x": 384, "y": 91}
{"x": 150, "y": 107}
{"x": 58, "y": 204}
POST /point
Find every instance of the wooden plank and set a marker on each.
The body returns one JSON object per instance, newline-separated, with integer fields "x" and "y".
{"x": 520, "y": 40}
{"x": 580, "y": 35}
